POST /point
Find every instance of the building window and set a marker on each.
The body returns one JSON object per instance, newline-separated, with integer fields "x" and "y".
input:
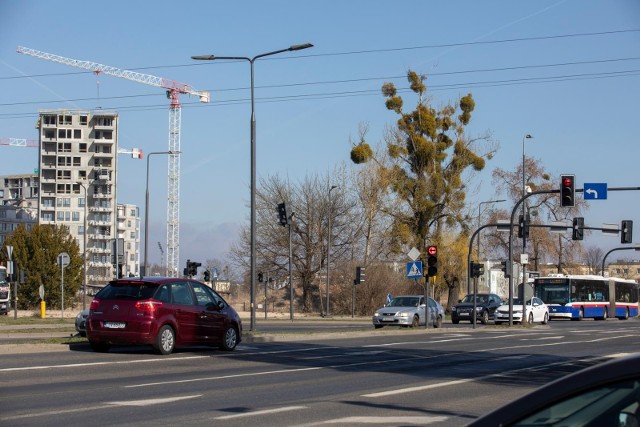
{"x": 81, "y": 230}
{"x": 49, "y": 120}
{"x": 64, "y": 120}
{"x": 132, "y": 213}
{"x": 104, "y": 121}
{"x": 62, "y": 174}
{"x": 81, "y": 202}
{"x": 64, "y": 133}
{"x": 49, "y": 133}
{"x": 84, "y": 119}
{"x": 64, "y": 147}
{"x": 60, "y": 216}
{"x": 132, "y": 234}
{"x": 82, "y": 147}
{"x": 76, "y": 161}
{"x": 77, "y": 134}
{"x": 47, "y": 216}
{"x": 76, "y": 216}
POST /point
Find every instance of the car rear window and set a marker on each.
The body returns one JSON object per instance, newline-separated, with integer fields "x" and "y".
{"x": 132, "y": 291}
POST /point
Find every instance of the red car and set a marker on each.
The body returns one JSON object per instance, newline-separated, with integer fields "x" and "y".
{"x": 162, "y": 312}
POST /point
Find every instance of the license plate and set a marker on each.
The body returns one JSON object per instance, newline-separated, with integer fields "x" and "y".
{"x": 114, "y": 325}
{"x": 387, "y": 320}
{"x": 464, "y": 314}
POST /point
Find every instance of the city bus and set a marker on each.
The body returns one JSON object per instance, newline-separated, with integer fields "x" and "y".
{"x": 5, "y": 291}
{"x": 578, "y": 296}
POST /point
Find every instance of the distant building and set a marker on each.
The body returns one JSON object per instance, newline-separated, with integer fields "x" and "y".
{"x": 129, "y": 232}
{"x": 18, "y": 203}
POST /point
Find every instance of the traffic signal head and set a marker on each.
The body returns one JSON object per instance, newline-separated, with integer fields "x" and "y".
{"x": 523, "y": 225}
{"x": 359, "y": 275}
{"x": 207, "y": 275}
{"x": 432, "y": 260}
{"x": 260, "y": 277}
{"x": 626, "y": 231}
{"x": 282, "y": 214}
{"x": 578, "y": 225}
{"x": 567, "y": 191}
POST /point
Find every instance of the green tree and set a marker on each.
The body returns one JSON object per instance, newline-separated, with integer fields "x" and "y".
{"x": 36, "y": 252}
{"x": 431, "y": 158}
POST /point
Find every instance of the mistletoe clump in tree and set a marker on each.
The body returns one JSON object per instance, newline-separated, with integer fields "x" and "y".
{"x": 429, "y": 152}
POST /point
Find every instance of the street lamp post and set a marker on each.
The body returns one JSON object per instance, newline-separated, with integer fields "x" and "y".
{"x": 146, "y": 213}
{"x": 253, "y": 161}
{"x": 328, "y": 312}
{"x": 84, "y": 272}
{"x": 479, "y": 225}
{"x": 524, "y": 229}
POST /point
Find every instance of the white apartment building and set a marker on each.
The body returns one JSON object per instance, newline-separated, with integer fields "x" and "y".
{"x": 77, "y": 171}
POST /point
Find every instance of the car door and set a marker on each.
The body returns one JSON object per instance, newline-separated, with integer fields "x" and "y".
{"x": 421, "y": 311}
{"x": 186, "y": 312}
{"x": 494, "y": 303}
{"x": 211, "y": 318}
{"x": 538, "y": 308}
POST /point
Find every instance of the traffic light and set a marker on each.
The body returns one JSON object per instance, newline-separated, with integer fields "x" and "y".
{"x": 578, "y": 225}
{"x": 192, "y": 268}
{"x": 432, "y": 260}
{"x": 567, "y": 191}
{"x": 207, "y": 275}
{"x": 260, "y": 277}
{"x": 626, "y": 231}
{"x": 477, "y": 269}
{"x": 505, "y": 266}
{"x": 359, "y": 275}
{"x": 282, "y": 214}
{"x": 523, "y": 225}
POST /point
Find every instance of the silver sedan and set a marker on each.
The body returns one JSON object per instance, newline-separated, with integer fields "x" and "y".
{"x": 408, "y": 310}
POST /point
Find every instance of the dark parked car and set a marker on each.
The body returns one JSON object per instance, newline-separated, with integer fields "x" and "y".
{"x": 607, "y": 394}
{"x": 486, "y": 305}
{"x": 162, "y": 312}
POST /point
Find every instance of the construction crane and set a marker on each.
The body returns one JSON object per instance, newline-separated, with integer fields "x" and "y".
{"x": 174, "y": 89}
{"x": 19, "y": 142}
{"x": 136, "y": 153}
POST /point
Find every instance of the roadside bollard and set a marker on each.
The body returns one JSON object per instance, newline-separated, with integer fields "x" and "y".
{"x": 43, "y": 309}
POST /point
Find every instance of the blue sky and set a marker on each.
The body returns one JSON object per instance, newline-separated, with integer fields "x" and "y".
{"x": 583, "y": 116}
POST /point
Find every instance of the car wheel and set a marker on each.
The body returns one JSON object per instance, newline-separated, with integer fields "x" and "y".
{"x": 545, "y": 320}
{"x": 100, "y": 347}
{"x": 229, "y": 339}
{"x": 165, "y": 340}
{"x": 485, "y": 317}
{"x": 438, "y": 323}
{"x": 415, "y": 322}
{"x": 378, "y": 326}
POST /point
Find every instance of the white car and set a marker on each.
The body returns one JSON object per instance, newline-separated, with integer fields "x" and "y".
{"x": 537, "y": 311}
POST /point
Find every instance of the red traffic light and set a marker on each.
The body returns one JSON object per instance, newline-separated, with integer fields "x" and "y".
{"x": 567, "y": 182}
{"x": 432, "y": 250}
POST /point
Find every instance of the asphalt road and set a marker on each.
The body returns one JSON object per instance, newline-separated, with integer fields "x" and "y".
{"x": 444, "y": 377}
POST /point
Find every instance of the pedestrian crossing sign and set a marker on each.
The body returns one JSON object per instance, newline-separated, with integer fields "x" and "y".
{"x": 414, "y": 270}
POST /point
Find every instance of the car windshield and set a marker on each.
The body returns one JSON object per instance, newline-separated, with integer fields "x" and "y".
{"x": 129, "y": 290}
{"x": 480, "y": 299}
{"x": 404, "y": 302}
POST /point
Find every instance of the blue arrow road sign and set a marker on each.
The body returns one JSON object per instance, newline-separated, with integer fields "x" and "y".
{"x": 595, "y": 191}
{"x": 414, "y": 269}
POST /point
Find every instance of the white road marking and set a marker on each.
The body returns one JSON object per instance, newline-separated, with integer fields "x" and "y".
{"x": 97, "y": 407}
{"x": 467, "y": 380}
{"x": 262, "y": 412}
{"x": 149, "y": 402}
{"x": 420, "y": 420}
{"x": 119, "y": 362}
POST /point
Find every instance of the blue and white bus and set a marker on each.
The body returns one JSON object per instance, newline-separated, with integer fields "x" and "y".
{"x": 578, "y": 296}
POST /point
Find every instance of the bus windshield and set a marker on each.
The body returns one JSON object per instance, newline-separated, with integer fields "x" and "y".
{"x": 553, "y": 293}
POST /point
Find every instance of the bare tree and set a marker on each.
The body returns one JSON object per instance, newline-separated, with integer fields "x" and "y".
{"x": 593, "y": 257}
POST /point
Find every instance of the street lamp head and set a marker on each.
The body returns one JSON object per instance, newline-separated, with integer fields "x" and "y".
{"x": 300, "y": 46}
{"x": 528, "y": 136}
{"x": 203, "y": 57}
{"x": 332, "y": 187}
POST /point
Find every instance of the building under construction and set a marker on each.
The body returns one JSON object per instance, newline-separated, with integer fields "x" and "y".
{"x": 78, "y": 176}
